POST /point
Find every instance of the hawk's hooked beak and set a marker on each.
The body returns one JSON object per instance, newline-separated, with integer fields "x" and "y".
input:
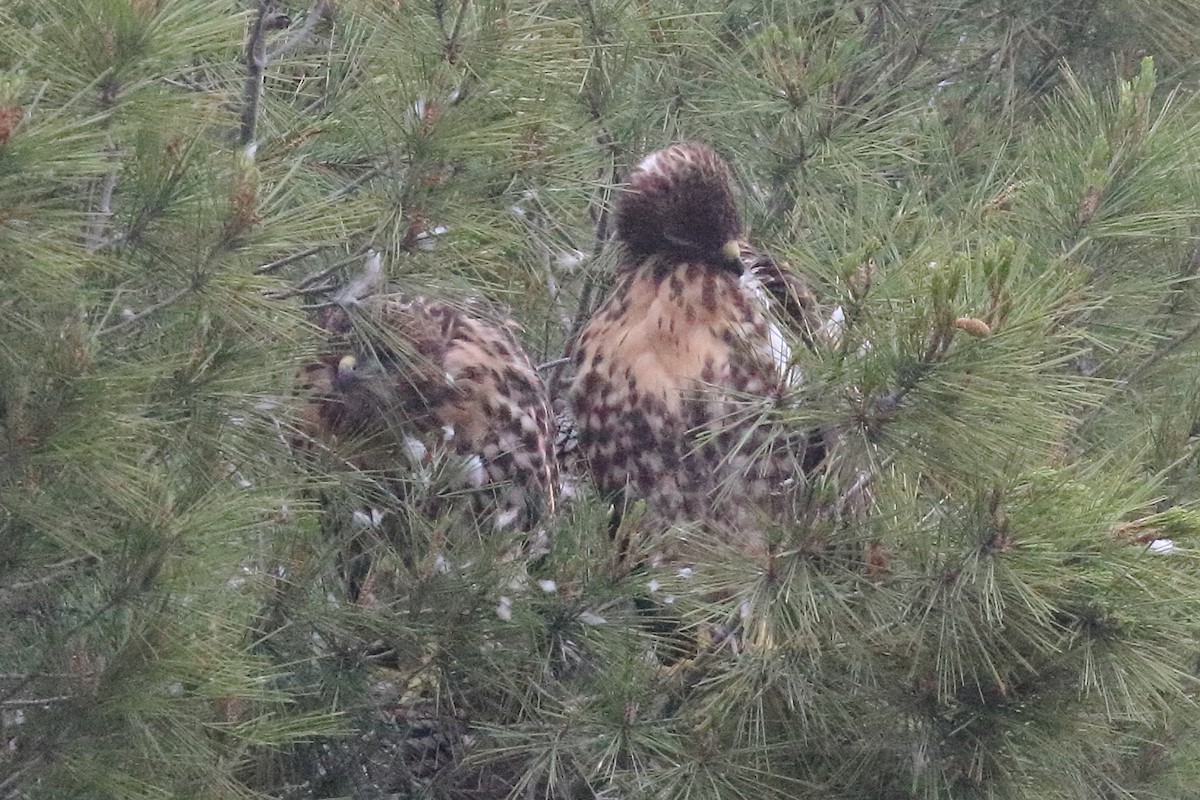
{"x": 731, "y": 256}
{"x": 346, "y": 371}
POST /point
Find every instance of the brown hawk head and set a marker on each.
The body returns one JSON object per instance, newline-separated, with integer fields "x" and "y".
{"x": 680, "y": 205}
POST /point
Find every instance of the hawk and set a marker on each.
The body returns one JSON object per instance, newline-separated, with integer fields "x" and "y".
{"x": 677, "y": 366}
{"x": 418, "y": 383}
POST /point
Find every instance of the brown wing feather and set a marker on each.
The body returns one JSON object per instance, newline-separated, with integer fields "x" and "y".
{"x": 790, "y": 297}
{"x": 445, "y": 376}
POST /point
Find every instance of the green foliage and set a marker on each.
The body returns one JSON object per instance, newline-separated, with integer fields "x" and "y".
{"x": 991, "y": 594}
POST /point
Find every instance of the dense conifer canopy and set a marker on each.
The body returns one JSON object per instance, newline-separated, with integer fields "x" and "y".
{"x": 993, "y": 593}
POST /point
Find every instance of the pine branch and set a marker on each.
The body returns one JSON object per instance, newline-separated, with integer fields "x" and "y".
{"x": 53, "y": 572}
{"x": 885, "y": 407}
{"x": 366, "y": 177}
{"x": 1140, "y": 371}
{"x": 306, "y": 285}
{"x": 36, "y": 701}
{"x": 271, "y": 266}
{"x": 1169, "y": 305}
{"x": 319, "y": 12}
{"x": 95, "y": 235}
{"x": 452, "y": 40}
{"x": 269, "y": 18}
{"x": 594, "y": 96}
{"x": 133, "y": 319}
{"x": 109, "y": 89}
{"x": 11, "y": 781}
{"x": 892, "y": 574}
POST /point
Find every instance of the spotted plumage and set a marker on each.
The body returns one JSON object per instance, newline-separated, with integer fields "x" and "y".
{"x": 787, "y": 296}
{"x": 416, "y": 378}
{"x": 678, "y": 365}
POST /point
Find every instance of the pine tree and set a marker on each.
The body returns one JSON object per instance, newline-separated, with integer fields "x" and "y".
{"x": 991, "y": 593}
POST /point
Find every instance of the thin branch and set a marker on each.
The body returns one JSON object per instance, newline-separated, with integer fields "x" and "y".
{"x": 95, "y": 235}
{"x": 284, "y": 294}
{"x": 369, "y": 175}
{"x": 306, "y": 285}
{"x": 37, "y": 701}
{"x": 269, "y": 18}
{"x": 94, "y": 240}
{"x": 859, "y": 484}
{"x": 864, "y": 479}
{"x": 1187, "y": 271}
{"x": 325, "y": 273}
{"x": 1168, "y": 306}
{"x": 320, "y": 11}
{"x": 594, "y": 99}
{"x": 1155, "y": 358}
{"x": 439, "y": 13}
{"x": 935, "y": 349}
{"x": 591, "y": 280}
{"x": 17, "y": 774}
{"x": 22, "y": 676}
{"x": 52, "y": 573}
{"x": 133, "y": 319}
{"x": 283, "y": 262}
{"x": 452, "y": 41}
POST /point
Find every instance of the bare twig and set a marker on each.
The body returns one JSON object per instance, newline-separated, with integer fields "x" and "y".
{"x": 17, "y": 774}
{"x": 95, "y": 235}
{"x": 133, "y": 319}
{"x": 860, "y": 487}
{"x": 864, "y": 479}
{"x": 267, "y": 19}
{"x": 271, "y": 266}
{"x": 37, "y": 701}
{"x": 859, "y": 484}
{"x": 51, "y": 573}
{"x": 452, "y": 40}
{"x": 1187, "y": 271}
{"x": 935, "y": 349}
{"x": 109, "y": 90}
{"x": 1152, "y": 360}
{"x": 308, "y": 284}
{"x": 320, "y": 11}
{"x": 370, "y": 174}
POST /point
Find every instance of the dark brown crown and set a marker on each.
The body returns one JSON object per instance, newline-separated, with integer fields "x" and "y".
{"x": 680, "y": 204}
